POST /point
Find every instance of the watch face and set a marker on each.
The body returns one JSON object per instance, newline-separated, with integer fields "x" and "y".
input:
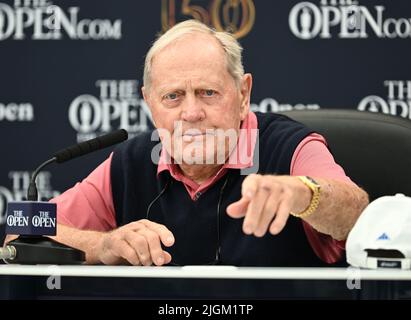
{"x": 313, "y": 181}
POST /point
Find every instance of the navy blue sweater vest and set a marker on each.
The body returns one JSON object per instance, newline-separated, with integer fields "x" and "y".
{"x": 194, "y": 223}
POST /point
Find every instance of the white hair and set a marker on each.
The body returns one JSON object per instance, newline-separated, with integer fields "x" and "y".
{"x": 230, "y": 45}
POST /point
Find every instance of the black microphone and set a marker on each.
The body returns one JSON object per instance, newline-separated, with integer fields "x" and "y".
{"x": 86, "y": 147}
{"x": 31, "y": 219}
{"x": 75, "y": 151}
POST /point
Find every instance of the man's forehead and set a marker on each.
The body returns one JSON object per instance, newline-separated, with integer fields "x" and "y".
{"x": 196, "y": 58}
{"x": 191, "y": 48}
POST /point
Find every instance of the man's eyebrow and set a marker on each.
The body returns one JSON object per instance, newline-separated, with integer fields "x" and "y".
{"x": 169, "y": 88}
{"x": 201, "y": 85}
{"x": 211, "y": 84}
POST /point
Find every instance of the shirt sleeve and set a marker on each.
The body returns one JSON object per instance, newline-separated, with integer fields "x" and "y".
{"x": 312, "y": 158}
{"x": 89, "y": 204}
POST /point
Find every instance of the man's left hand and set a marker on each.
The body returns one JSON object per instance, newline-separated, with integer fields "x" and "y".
{"x": 267, "y": 201}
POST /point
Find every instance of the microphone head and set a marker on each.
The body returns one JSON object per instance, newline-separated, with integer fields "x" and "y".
{"x": 113, "y": 138}
{"x": 88, "y": 146}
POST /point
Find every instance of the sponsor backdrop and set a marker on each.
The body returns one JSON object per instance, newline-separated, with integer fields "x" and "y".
{"x": 72, "y": 70}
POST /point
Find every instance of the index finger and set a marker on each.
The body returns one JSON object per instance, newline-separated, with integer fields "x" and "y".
{"x": 249, "y": 186}
{"x": 166, "y": 236}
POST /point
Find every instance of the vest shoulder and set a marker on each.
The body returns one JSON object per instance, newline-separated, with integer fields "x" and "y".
{"x": 138, "y": 143}
{"x": 271, "y": 121}
{"x": 137, "y": 149}
{"x": 278, "y": 126}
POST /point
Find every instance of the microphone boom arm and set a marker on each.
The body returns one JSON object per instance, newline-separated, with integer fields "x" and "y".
{"x": 32, "y": 194}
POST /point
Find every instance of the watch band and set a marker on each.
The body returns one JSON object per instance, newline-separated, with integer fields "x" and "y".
{"x": 315, "y": 199}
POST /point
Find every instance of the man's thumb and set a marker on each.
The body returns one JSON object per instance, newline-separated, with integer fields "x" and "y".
{"x": 238, "y": 209}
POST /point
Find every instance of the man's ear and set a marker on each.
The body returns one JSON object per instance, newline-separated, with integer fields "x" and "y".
{"x": 146, "y": 97}
{"x": 245, "y": 91}
{"x": 145, "y": 93}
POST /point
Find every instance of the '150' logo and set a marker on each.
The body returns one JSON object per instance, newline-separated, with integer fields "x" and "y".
{"x": 235, "y": 16}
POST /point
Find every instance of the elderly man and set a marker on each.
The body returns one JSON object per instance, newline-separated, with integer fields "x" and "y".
{"x": 194, "y": 208}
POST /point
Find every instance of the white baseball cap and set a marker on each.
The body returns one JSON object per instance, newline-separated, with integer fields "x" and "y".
{"x": 381, "y": 238}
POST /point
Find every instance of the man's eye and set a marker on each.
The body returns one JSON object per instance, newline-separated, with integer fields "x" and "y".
{"x": 208, "y": 93}
{"x": 171, "y": 96}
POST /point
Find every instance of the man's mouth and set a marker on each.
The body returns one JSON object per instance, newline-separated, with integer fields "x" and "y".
{"x": 192, "y": 136}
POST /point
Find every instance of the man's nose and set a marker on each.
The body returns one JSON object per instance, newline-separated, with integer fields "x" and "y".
{"x": 192, "y": 110}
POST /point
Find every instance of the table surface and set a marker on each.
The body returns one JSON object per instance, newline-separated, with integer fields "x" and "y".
{"x": 204, "y": 272}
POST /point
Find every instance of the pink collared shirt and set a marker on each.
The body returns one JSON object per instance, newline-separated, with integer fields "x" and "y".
{"x": 94, "y": 197}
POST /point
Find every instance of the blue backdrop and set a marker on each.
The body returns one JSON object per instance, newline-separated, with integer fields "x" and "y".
{"x": 72, "y": 70}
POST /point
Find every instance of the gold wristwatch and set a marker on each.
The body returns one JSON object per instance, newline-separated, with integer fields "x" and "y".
{"x": 315, "y": 199}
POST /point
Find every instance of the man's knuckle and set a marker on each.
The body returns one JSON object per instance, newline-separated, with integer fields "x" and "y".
{"x": 270, "y": 208}
{"x": 116, "y": 237}
{"x": 275, "y": 184}
{"x": 267, "y": 185}
{"x": 143, "y": 256}
{"x": 128, "y": 254}
{"x": 133, "y": 226}
{"x": 287, "y": 191}
{"x": 152, "y": 237}
{"x": 140, "y": 241}
{"x": 251, "y": 180}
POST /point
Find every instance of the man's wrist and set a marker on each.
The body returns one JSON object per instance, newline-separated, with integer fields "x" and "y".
{"x": 315, "y": 189}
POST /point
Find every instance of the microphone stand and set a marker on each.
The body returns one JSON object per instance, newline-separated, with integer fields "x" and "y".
{"x": 29, "y": 249}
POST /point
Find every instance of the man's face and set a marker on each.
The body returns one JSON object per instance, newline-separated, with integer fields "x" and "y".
{"x": 192, "y": 95}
